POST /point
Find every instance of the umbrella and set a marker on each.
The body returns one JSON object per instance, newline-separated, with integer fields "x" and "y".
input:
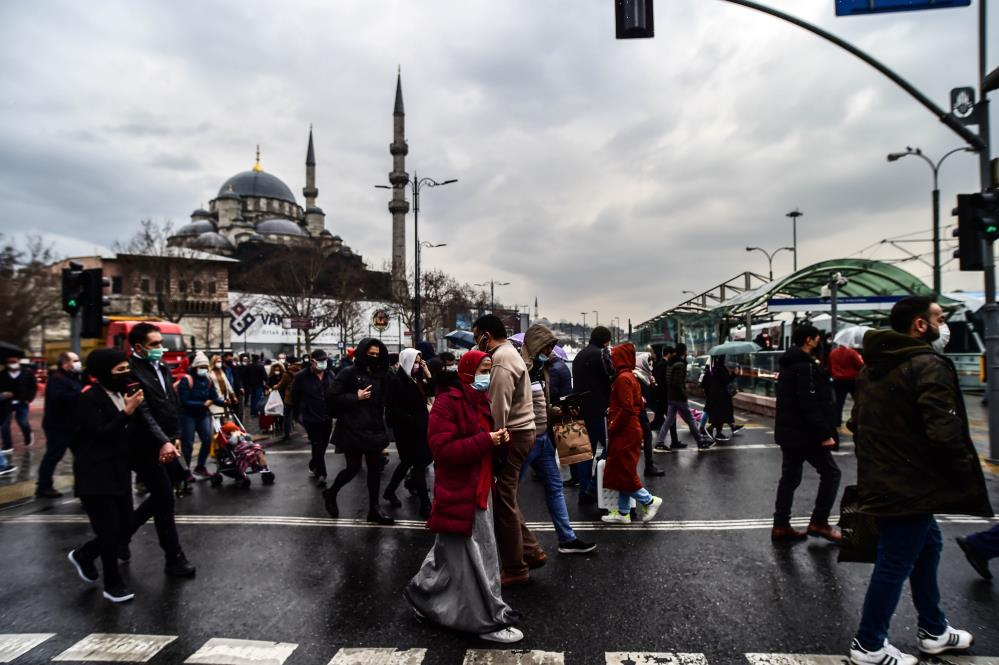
{"x": 853, "y": 336}
{"x": 518, "y": 340}
{"x": 13, "y": 349}
{"x": 733, "y": 349}
{"x": 461, "y": 338}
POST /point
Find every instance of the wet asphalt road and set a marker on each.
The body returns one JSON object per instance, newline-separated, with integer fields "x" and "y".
{"x": 271, "y": 566}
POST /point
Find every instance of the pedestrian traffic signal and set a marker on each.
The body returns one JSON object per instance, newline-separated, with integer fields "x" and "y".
{"x": 72, "y": 288}
{"x": 92, "y": 320}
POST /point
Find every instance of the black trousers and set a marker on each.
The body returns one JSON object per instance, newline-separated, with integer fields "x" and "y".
{"x": 159, "y": 506}
{"x": 793, "y": 463}
{"x": 110, "y": 518}
{"x": 319, "y": 439}
{"x": 643, "y": 418}
{"x": 843, "y": 387}
{"x": 374, "y": 463}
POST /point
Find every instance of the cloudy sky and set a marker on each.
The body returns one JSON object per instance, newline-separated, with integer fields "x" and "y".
{"x": 593, "y": 174}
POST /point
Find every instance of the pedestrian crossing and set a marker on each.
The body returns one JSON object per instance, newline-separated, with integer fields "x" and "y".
{"x": 137, "y": 648}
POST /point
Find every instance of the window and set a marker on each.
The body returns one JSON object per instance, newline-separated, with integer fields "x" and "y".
{"x": 144, "y": 285}
{"x": 212, "y": 287}
{"x": 197, "y": 286}
{"x": 182, "y": 285}
{"x": 116, "y": 285}
{"x": 160, "y": 286}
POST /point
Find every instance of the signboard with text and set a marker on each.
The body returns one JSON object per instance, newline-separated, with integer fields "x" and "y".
{"x": 855, "y": 7}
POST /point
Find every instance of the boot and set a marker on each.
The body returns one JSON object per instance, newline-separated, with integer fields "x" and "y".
{"x": 425, "y": 507}
{"x": 393, "y": 500}
{"x": 178, "y": 565}
{"x": 652, "y": 471}
{"x": 329, "y": 498}
{"x": 376, "y": 515}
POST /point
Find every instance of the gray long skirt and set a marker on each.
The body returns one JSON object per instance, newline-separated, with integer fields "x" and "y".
{"x": 458, "y": 585}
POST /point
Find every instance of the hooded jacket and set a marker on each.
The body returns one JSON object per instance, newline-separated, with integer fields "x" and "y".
{"x": 806, "y": 404}
{"x": 537, "y": 338}
{"x": 914, "y": 450}
{"x": 590, "y": 378}
{"x": 623, "y": 427}
{"x": 360, "y": 425}
{"x": 676, "y": 380}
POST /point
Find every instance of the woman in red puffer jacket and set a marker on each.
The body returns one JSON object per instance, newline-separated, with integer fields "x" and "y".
{"x": 458, "y": 585}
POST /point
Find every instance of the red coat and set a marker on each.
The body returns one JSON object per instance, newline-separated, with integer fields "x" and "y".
{"x": 458, "y": 444}
{"x": 623, "y": 427}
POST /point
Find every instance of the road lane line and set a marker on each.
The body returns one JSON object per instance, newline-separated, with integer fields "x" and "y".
{"x": 15, "y": 645}
{"x": 116, "y": 648}
{"x": 388, "y": 656}
{"x": 515, "y": 657}
{"x": 222, "y": 651}
{"x": 637, "y": 658}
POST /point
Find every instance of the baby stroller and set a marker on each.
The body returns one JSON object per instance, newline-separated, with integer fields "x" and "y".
{"x": 237, "y": 456}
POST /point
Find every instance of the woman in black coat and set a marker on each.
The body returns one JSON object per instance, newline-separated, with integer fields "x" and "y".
{"x": 408, "y": 416}
{"x": 718, "y": 399}
{"x": 103, "y": 480}
{"x": 357, "y": 401}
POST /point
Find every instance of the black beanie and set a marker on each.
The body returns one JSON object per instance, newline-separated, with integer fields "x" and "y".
{"x": 600, "y": 336}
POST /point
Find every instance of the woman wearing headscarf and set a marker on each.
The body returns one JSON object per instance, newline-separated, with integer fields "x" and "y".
{"x": 407, "y": 415}
{"x": 718, "y": 399}
{"x": 643, "y": 372}
{"x": 357, "y": 401}
{"x": 216, "y": 374}
{"x": 197, "y": 394}
{"x": 102, "y": 478}
{"x": 624, "y": 445}
{"x": 458, "y": 585}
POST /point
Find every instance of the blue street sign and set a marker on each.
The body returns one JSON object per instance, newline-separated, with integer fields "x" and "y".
{"x": 854, "y": 7}
{"x": 843, "y": 303}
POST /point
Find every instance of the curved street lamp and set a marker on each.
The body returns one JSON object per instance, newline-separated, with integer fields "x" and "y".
{"x": 770, "y": 256}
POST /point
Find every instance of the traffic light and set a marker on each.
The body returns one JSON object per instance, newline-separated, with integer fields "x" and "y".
{"x": 634, "y": 19}
{"x": 977, "y": 228}
{"x": 92, "y": 320}
{"x": 72, "y": 288}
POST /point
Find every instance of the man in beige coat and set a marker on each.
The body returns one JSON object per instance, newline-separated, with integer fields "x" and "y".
{"x": 513, "y": 409}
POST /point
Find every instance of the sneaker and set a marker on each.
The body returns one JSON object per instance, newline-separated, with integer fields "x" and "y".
{"x": 85, "y": 569}
{"x": 118, "y": 593}
{"x": 649, "y": 510}
{"x": 572, "y": 482}
{"x": 576, "y": 546}
{"x": 677, "y": 446}
{"x": 201, "y": 471}
{"x": 886, "y": 655}
{"x": 706, "y": 444}
{"x": 721, "y": 437}
{"x": 952, "y": 639}
{"x": 616, "y": 517}
{"x": 8, "y": 470}
{"x": 661, "y": 448}
{"x": 737, "y": 428}
{"x": 977, "y": 561}
{"x": 320, "y": 481}
{"x": 507, "y": 635}
{"x": 50, "y": 493}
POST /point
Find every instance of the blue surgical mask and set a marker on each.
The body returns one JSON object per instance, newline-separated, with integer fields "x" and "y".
{"x": 542, "y": 358}
{"x": 481, "y": 382}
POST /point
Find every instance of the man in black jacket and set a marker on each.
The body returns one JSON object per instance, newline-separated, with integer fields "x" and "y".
{"x": 590, "y": 378}
{"x": 660, "y": 372}
{"x": 915, "y": 458}
{"x": 155, "y": 433}
{"x": 18, "y": 388}
{"x": 254, "y": 378}
{"x": 678, "y": 405}
{"x": 805, "y": 430}
{"x": 309, "y": 392}
{"x": 59, "y": 420}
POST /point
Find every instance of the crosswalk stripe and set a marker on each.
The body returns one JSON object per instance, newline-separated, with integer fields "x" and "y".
{"x": 222, "y": 651}
{"x": 15, "y": 645}
{"x": 514, "y": 657}
{"x": 379, "y": 657}
{"x": 116, "y": 648}
{"x": 635, "y": 658}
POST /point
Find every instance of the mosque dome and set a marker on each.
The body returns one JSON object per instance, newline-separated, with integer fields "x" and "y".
{"x": 200, "y": 213}
{"x": 257, "y": 184}
{"x": 196, "y": 228}
{"x": 212, "y": 241}
{"x": 280, "y": 227}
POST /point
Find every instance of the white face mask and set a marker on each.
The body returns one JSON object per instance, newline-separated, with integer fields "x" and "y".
{"x": 218, "y": 365}
{"x": 77, "y": 366}
{"x": 940, "y": 343}
{"x": 202, "y": 371}
{"x": 14, "y": 370}
{"x": 321, "y": 365}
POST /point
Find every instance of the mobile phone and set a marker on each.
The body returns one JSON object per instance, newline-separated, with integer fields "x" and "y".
{"x": 133, "y": 388}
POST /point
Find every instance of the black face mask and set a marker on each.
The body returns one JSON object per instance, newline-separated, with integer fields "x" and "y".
{"x": 120, "y": 382}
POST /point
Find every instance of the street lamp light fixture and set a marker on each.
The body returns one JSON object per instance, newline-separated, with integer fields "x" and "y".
{"x": 492, "y": 284}
{"x": 794, "y": 215}
{"x": 770, "y": 256}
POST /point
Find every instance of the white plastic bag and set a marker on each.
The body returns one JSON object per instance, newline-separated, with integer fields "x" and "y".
{"x": 274, "y": 406}
{"x": 607, "y": 499}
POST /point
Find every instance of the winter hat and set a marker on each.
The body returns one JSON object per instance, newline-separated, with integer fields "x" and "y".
{"x": 100, "y": 362}
{"x": 200, "y": 360}
{"x": 468, "y": 365}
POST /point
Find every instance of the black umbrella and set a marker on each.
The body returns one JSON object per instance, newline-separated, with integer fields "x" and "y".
{"x": 461, "y": 338}
{"x": 7, "y": 350}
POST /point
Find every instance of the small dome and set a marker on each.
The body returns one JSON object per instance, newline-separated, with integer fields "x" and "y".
{"x": 212, "y": 241}
{"x": 279, "y": 227}
{"x": 200, "y": 213}
{"x": 228, "y": 193}
{"x": 257, "y": 184}
{"x": 196, "y": 228}
{"x": 326, "y": 233}
{"x": 256, "y": 237}
{"x": 338, "y": 238}
{"x": 314, "y": 210}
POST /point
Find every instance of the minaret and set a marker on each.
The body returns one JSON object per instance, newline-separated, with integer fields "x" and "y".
{"x": 398, "y": 206}
{"x": 536, "y": 315}
{"x": 309, "y": 191}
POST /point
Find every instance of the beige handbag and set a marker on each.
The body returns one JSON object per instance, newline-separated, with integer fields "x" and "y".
{"x": 572, "y": 441}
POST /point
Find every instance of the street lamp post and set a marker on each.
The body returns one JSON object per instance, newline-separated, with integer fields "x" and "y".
{"x": 935, "y": 167}
{"x": 617, "y": 329}
{"x": 794, "y": 215}
{"x": 492, "y": 284}
{"x": 584, "y": 326}
{"x": 416, "y": 184}
{"x": 770, "y": 256}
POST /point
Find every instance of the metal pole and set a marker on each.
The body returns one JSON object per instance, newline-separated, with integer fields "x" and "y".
{"x": 794, "y": 225}
{"x": 74, "y": 332}
{"x": 416, "y": 237}
{"x": 492, "y": 295}
{"x": 833, "y": 311}
{"x": 937, "y": 287}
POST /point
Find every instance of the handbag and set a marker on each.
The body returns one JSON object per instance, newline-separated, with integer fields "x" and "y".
{"x": 860, "y": 530}
{"x": 572, "y": 441}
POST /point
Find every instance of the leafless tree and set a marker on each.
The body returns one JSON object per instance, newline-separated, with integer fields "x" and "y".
{"x": 442, "y": 297}
{"x": 29, "y": 288}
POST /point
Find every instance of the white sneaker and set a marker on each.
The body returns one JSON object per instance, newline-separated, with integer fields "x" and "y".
{"x": 886, "y": 655}
{"x": 649, "y": 511}
{"x": 507, "y": 635}
{"x": 615, "y": 517}
{"x": 951, "y": 640}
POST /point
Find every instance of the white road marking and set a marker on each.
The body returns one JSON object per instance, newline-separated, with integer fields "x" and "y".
{"x": 379, "y": 657}
{"x": 636, "y": 658}
{"x": 116, "y": 648}
{"x": 222, "y": 651}
{"x": 15, "y": 645}
{"x": 514, "y": 657}
{"x": 810, "y": 659}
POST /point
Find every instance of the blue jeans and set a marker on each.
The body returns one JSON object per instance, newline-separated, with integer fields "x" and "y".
{"x": 18, "y": 412}
{"x": 908, "y": 549}
{"x": 203, "y": 425}
{"x": 56, "y": 443}
{"x": 543, "y": 460}
{"x": 642, "y": 496}
{"x": 596, "y": 428}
